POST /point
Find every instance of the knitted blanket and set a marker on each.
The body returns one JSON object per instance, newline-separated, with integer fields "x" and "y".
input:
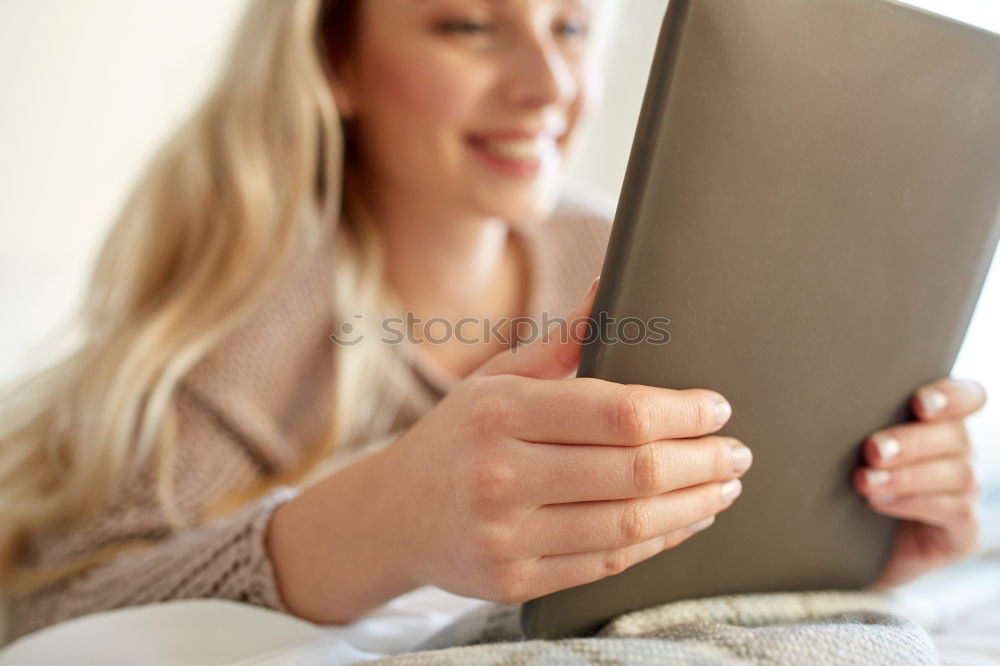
{"x": 791, "y": 628}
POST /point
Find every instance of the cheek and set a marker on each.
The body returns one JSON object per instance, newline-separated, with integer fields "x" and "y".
{"x": 422, "y": 92}
{"x": 590, "y": 89}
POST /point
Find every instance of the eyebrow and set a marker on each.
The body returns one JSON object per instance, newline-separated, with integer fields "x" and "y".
{"x": 491, "y": 2}
{"x": 586, "y": 3}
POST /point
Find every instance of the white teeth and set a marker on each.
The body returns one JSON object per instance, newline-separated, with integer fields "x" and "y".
{"x": 521, "y": 150}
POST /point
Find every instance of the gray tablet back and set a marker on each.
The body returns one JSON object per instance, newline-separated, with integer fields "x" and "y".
{"x": 812, "y": 200}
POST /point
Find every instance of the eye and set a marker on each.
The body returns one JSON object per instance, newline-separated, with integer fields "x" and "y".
{"x": 463, "y": 27}
{"x": 572, "y": 29}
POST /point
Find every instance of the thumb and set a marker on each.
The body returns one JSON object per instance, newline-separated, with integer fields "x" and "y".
{"x": 555, "y": 354}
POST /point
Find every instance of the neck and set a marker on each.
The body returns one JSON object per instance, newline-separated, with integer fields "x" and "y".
{"x": 450, "y": 267}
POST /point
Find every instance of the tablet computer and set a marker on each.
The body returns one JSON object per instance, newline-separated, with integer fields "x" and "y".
{"x": 812, "y": 202}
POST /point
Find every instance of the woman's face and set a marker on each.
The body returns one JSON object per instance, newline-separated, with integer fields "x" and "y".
{"x": 465, "y": 108}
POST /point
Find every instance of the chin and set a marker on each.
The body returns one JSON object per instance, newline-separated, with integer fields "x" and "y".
{"x": 526, "y": 207}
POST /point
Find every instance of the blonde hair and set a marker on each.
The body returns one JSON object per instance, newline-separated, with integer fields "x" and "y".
{"x": 241, "y": 194}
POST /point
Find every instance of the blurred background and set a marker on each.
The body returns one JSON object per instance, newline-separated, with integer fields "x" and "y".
{"x": 88, "y": 90}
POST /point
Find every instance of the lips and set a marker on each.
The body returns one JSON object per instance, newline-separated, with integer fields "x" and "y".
{"x": 517, "y": 152}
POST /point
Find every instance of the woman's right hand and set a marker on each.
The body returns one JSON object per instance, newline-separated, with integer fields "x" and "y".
{"x": 523, "y": 481}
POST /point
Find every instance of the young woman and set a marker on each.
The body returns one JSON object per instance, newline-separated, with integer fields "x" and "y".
{"x": 358, "y": 162}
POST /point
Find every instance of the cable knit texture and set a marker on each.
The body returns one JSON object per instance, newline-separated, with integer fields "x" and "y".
{"x": 778, "y": 629}
{"x": 250, "y": 409}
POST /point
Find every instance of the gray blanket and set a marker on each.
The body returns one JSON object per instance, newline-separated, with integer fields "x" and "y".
{"x": 791, "y": 628}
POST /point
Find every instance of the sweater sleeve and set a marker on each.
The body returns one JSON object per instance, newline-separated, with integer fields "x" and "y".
{"x": 225, "y": 558}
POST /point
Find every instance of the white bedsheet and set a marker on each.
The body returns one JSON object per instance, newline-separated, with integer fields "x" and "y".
{"x": 959, "y": 606}
{"x": 211, "y": 632}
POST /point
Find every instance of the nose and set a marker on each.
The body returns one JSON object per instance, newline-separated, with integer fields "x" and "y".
{"x": 542, "y": 76}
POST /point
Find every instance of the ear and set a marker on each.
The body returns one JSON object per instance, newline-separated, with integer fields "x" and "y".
{"x": 345, "y": 91}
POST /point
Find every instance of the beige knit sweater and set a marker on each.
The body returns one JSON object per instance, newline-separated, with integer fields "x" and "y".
{"x": 250, "y": 409}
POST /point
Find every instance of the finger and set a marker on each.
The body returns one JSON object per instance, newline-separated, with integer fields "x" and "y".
{"x": 907, "y": 443}
{"x": 943, "y": 475}
{"x": 596, "y": 473}
{"x": 553, "y": 355}
{"x": 949, "y": 511}
{"x": 559, "y": 572}
{"x": 948, "y": 399}
{"x": 594, "y": 411}
{"x": 589, "y": 527}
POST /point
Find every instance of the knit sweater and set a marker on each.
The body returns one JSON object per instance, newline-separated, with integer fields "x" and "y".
{"x": 250, "y": 409}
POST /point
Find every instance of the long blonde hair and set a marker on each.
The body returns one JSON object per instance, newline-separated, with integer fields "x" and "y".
{"x": 241, "y": 194}
{"x": 238, "y": 198}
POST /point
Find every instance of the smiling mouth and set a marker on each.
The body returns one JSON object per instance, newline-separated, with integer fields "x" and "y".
{"x": 521, "y": 156}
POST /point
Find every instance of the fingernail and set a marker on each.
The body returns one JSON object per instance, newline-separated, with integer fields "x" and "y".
{"x": 932, "y": 401}
{"x": 701, "y": 524}
{"x": 723, "y": 411}
{"x": 876, "y": 477}
{"x": 887, "y": 447}
{"x": 881, "y": 499}
{"x": 731, "y": 490}
{"x": 742, "y": 459}
{"x": 973, "y": 388}
{"x": 579, "y": 321}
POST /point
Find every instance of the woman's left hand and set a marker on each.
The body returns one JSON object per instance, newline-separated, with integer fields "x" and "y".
{"x": 922, "y": 473}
